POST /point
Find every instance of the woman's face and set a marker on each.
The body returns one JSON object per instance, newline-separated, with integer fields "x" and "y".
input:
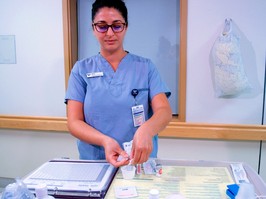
{"x": 110, "y": 41}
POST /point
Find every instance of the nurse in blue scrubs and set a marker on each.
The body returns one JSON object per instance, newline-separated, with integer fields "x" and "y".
{"x": 116, "y": 96}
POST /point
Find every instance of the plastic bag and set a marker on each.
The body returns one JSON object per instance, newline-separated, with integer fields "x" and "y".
{"x": 17, "y": 190}
{"x": 230, "y": 78}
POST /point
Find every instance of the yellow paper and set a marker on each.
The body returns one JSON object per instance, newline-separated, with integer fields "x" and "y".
{"x": 189, "y": 181}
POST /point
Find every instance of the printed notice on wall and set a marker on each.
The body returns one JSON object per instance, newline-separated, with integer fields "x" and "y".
{"x": 7, "y": 49}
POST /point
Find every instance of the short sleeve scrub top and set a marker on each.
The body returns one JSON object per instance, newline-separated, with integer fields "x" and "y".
{"x": 107, "y": 99}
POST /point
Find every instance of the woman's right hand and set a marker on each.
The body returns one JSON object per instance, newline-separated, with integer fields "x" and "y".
{"x": 85, "y": 132}
{"x": 114, "y": 154}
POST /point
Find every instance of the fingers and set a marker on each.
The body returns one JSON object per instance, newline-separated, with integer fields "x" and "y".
{"x": 124, "y": 154}
{"x": 140, "y": 155}
{"x": 122, "y": 159}
{"x": 119, "y": 163}
{"x": 116, "y": 156}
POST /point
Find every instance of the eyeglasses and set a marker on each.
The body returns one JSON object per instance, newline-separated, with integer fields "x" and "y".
{"x": 103, "y": 27}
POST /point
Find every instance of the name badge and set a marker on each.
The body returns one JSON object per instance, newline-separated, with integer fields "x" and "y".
{"x": 96, "y": 74}
{"x": 138, "y": 115}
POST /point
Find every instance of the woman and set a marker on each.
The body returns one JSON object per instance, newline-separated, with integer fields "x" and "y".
{"x": 115, "y": 96}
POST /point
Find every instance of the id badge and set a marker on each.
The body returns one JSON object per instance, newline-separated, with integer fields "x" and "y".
{"x": 138, "y": 115}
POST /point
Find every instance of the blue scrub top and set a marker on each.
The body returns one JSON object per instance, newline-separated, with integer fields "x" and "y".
{"x": 108, "y": 100}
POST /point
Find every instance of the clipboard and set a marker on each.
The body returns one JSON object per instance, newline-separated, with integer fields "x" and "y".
{"x": 66, "y": 178}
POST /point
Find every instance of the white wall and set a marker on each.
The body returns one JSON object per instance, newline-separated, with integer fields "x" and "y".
{"x": 23, "y": 151}
{"x": 35, "y": 85}
{"x": 205, "y": 23}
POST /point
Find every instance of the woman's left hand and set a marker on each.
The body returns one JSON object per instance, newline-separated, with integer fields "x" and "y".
{"x": 142, "y": 145}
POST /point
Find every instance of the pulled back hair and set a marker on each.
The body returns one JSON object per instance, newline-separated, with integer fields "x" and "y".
{"x": 117, "y": 4}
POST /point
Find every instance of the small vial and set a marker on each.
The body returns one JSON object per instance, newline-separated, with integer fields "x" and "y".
{"x": 154, "y": 194}
{"x": 41, "y": 192}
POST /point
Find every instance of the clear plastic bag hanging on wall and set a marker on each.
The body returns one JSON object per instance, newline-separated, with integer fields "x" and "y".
{"x": 230, "y": 79}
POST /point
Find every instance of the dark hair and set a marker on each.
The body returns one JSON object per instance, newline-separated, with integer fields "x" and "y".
{"x": 117, "y": 4}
